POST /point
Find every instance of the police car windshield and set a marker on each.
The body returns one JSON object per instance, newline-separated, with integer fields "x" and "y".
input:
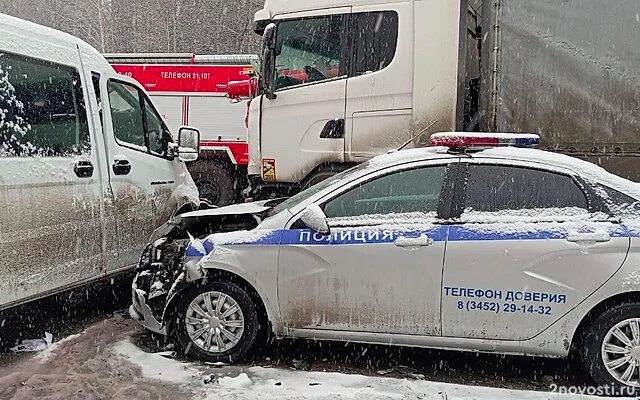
{"x": 305, "y": 194}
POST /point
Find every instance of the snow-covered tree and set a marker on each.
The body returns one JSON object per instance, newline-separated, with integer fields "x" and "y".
{"x": 13, "y": 126}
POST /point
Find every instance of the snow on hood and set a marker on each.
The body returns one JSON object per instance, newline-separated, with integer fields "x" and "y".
{"x": 237, "y": 237}
{"x": 199, "y": 248}
{"x": 237, "y": 209}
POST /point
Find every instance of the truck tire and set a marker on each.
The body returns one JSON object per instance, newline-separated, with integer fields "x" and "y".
{"x": 323, "y": 173}
{"x": 215, "y": 183}
{"x": 217, "y": 321}
{"x": 611, "y": 347}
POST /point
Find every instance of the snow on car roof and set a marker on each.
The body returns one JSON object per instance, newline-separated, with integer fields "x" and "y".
{"x": 409, "y": 155}
{"x": 582, "y": 168}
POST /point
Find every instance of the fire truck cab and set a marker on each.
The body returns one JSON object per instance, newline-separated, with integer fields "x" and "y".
{"x": 193, "y": 89}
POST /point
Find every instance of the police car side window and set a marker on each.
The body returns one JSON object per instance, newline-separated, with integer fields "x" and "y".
{"x": 493, "y": 188}
{"x": 407, "y": 191}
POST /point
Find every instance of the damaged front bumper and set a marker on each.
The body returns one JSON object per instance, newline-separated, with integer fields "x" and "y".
{"x": 161, "y": 272}
{"x": 157, "y": 279}
{"x": 141, "y": 312}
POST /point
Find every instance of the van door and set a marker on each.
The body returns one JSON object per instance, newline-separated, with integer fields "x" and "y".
{"x": 143, "y": 175}
{"x": 304, "y": 123}
{"x": 380, "y": 85}
{"x": 50, "y": 199}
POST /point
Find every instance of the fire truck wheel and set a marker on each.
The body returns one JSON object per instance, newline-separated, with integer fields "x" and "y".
{"x": 215, "y": 183}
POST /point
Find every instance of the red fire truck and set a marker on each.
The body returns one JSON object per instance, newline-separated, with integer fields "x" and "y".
{"x": 190, "y": 89}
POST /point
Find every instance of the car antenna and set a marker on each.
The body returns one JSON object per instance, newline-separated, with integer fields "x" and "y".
{"x": 416, "y": 136}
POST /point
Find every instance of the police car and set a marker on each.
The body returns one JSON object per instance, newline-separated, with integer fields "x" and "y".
{"x": 479, "y": 242}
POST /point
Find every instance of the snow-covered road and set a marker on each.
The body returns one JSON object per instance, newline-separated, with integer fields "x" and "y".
{"x": 115, "y": 359}
{"x": 248, "y": 383}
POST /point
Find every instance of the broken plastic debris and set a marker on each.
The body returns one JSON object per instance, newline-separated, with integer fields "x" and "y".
{"x": 210, "y": 379}
{"x": 34, "y": 345}
{"x": 299, "y": 364}
{"x": 217, "y": 364}
{"x": 123, "y": 313}
{"x": 167, "y": 354}
{"x": 385, "y": 371}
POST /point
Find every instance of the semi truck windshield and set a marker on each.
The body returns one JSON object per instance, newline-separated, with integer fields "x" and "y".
{"x": 308, "y": 50}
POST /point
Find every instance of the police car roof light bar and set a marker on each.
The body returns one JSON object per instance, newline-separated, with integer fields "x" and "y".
{"x": 469, "y": 141}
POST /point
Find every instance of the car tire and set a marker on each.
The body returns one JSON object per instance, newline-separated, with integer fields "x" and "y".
{"x": 215, "y": 183}
{"x": 625, "y": 317}
{"x": 209, "y": 339}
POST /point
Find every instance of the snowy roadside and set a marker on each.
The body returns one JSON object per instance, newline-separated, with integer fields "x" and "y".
{"x": 85, "y": 366}
{"x": 240, "y": 383}
{"x": 115, "y": 359}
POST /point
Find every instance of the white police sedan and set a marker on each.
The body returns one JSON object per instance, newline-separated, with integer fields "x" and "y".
{"x": 466, "y": 245}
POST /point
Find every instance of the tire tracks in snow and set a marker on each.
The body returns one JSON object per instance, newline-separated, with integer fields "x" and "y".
{"x": 85, "y": 367}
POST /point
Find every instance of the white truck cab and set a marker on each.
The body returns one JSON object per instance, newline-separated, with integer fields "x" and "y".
{"x": 343, "y": 81}
{"x": 88, "y": 169}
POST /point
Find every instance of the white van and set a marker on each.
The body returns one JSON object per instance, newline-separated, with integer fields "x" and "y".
{"x": 88, "y": 168}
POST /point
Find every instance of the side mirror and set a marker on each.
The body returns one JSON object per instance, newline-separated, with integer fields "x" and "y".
{"x": 314, "y": 218}
{"x": 188, "y": 144}
{"x": 268, "y": 69}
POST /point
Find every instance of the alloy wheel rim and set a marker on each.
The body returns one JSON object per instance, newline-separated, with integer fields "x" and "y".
{"x": 621, "y": 352}
{"x": 214, "y": 322}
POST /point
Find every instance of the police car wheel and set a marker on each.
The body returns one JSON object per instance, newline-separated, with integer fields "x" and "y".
{"x": 611, "y": 349}
{"x": 217, "y": 321}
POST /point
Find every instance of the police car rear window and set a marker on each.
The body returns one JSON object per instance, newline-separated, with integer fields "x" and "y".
{"x": 496, "y": 188}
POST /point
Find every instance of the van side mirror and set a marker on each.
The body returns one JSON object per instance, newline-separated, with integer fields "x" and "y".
{"x": 188, "y": 144}
{"x": 314, "y": 218}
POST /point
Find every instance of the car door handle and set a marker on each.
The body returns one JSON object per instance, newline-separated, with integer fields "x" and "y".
{"x": 413, "y": 241}
{"x": 121, "y": 166}
{"x": 83, "y": 169}
{"x": 591, "y": 237}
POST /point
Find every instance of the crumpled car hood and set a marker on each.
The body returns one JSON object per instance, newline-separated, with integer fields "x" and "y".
{"x": 199, "y": 223}
{"x": 242, "y": 208}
